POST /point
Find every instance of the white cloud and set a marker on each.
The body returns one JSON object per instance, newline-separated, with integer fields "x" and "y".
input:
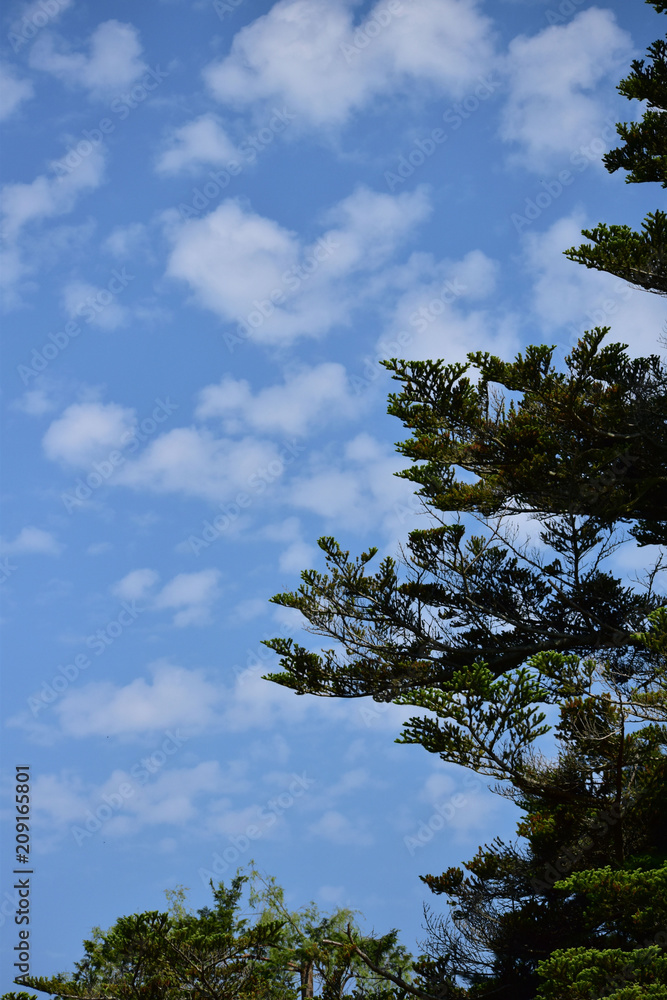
{"x": 195, "y": 463}
{"x": 437, "y": 786}
{"x": 310, "y": 55}
{"x": 299, "y": 554}
{"x": 304, "y": 399}
{"x": 433, "y": 318}
{"x": 114, "y": 62}
{"x": 551, "y": 108}
{"x": 97, "y": 305}
{"x": 34, "y": 402}
{"x": 248, "y": 269}
{"x": 198, "y": 143}
{"x": 192, "y": 594}
{"x": 189, "y": 594}
{"x": 358, "y": 491}
{"x": 127, "y": 241}
{"x": 48, "y": 196}
{"x": 173, "y": 697}
{"x": 151, "y": 795}
{"x": 32, "y": 540}
{"x": 36, "y": 15}
{"x": 254, "y": 703}
{"x": 135, "y": 585}
{"x": 87, "y": 431}
{"x": 98, "y": 548}
{"x": 338, "y": 829}
{"x": 13, "y": 91}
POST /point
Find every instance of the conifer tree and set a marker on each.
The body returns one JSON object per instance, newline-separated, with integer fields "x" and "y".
{"x": 640, "y": 258}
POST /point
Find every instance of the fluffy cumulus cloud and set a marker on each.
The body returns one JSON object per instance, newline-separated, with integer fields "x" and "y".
{"x": 47, "y": 196}
{"x": 338, "y": 829}
{"x": 306, "y": 398}
{"x": 296, "y": 553}
{"x": 31, "y": 540}
{"x": 191, "y": 596}
{"x": 194, "y": 462}
{"x": 30, "y": 18}
{"x": 135, "y": 585}
{"x": 552, "y": 108}
{"x": 34, "y": 402}
{"x": 252, "y": 272}
{"x": 198, "y": 143}
{"x": 313, "y": 57}
{"x": 98, "y": 306}
{"x": 13, "y": 91}
{"x": 88, "y": 431}
{"x": 27, "y": 204}
{"x": 172, "y": 698}
{"x": 150, "y": 791}
{"x": 357, "y": 490}
{"x": 127, "y": 241}
{"x": 113, "y": 63}
{"x": 440, "y": 310}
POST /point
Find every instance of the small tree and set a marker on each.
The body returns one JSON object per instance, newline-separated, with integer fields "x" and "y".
{"x": 218, "y": 954}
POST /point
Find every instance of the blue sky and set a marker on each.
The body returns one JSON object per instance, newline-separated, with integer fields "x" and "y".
{"x": 217, "y": 218}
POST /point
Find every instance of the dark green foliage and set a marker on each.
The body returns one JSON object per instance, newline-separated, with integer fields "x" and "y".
{"x": 590, "y": 441}
{"x": 582, "y": 452}
{"x": 215, "y": 954}
{"x": 629, "y": 906}
{"x": 591, "y": 871}
{"x": 640, "y": 258}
